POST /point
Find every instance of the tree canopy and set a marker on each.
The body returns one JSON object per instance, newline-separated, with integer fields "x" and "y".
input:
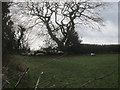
{"x": 60, "y": 19}
{"x": 8, "y": 36}
{"x": 12, "y": 42}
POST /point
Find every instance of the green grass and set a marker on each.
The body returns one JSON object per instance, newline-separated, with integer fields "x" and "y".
{"x": 71, "y": 71}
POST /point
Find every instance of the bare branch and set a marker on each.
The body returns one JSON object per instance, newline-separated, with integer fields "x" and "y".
{"x": 98, "y": 78}
{"x": 18, "y": 82}
{"x": 37, "y": 83}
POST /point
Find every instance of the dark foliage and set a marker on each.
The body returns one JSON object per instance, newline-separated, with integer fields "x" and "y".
{"x": 87, "y": 49}
{"x": 8, "y": 37}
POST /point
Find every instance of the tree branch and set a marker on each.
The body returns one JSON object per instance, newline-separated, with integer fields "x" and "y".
{"x": 98, "y": 78}
{"x": 37, "y": 83}
{"x": 18, "y": 82}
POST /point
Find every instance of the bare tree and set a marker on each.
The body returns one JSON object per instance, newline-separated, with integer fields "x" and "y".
{"x": 60, "y": 19}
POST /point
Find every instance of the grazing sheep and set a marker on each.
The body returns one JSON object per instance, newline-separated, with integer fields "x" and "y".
{"x": 39, "y": 54}
{"x": 92, "y": 54}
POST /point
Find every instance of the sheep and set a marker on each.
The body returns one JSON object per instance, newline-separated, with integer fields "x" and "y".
{"x": 92, "y": 54}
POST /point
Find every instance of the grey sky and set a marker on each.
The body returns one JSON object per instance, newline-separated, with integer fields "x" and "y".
{"x": 108, "y": 33}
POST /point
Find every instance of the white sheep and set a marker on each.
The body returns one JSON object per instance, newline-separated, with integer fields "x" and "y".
{"x": 92, "y": 54}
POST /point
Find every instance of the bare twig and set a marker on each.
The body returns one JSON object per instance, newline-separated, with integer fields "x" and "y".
{"x": 90, "y": 80}
{"x": 94, "y": 79}
{"x": 37, "y": 83}
{"x": 7, "y": 81}
{"x": 21, "y": 78}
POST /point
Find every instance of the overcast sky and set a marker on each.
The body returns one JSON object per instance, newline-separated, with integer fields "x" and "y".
{"x": 107, "y": 35}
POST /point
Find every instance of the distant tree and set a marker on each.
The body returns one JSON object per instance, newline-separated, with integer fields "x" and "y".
{"x": 22, "y": 46}
{"x": 12, "y": 42}
{"x": 8, "y": 34}
{"x": 20, "y": 39}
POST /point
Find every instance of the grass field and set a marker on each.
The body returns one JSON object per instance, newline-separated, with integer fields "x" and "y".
{"x": 71, "y": 71}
